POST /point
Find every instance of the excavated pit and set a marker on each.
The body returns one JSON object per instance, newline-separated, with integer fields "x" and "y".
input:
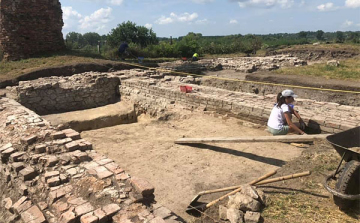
{"x": 139, "y": 131}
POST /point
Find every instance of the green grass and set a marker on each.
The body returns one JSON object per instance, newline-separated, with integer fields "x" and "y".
{"x": 348, "y": 69}
{"x": 13, "y": 69}
{"x": 332, "y": 46}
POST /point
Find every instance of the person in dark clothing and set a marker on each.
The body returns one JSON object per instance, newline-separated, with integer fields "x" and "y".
{"x": 123, "y": 50}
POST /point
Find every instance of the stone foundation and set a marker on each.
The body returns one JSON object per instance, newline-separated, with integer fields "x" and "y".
{"x": 30, "y": 27}
{"x": 52, "y": 175}
{"x": 62, "y": 94}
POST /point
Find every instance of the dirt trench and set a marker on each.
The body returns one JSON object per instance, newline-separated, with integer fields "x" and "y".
{"x": 178, "y": 172}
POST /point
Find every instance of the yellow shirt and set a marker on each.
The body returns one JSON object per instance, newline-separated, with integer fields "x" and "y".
{"x": 196, "y": 55}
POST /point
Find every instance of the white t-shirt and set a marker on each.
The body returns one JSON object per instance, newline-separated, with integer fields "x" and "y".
{"x": 277, "y": 118}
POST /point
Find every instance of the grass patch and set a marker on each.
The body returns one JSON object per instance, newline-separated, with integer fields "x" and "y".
{"x": 310, "y": 202}
{"x": 348, "y": 69}
{"x": 13, "y": 69}
{"x": 333, "y": 46}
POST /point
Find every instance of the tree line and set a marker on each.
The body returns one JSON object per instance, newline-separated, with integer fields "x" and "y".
{"x": 144, "y": 42}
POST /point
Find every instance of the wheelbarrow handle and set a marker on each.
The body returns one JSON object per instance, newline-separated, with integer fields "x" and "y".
{"x": 338, "y": 194}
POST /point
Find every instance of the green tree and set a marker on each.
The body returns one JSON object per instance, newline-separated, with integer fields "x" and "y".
{"x": 189, "y": 44}
{"x": 340, "y": 38}
{"x": 131, "y": 33}
{"x": 302, "y": 35}
{"x": 354, "y": 37}
{"x": 92, "y": 38}
{"x": 251, "y": 44}
{"x": 319, "y": 35}
{"x": 75, "y": 39}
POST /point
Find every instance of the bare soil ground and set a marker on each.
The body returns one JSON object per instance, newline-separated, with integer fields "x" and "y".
{"x": 113, "y": 114}
{"x": 146, "y": 149}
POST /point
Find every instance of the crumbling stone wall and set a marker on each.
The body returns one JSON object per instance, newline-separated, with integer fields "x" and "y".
{"x": 240, "y": 64}
{"x": 52, "y": 175}
{"x": 62, "y": 94}
{"x": 29, "y": 27}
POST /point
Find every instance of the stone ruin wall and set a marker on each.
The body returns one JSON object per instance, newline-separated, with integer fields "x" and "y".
{"x": 52, "y": 175}
{"x": 63, "y": 94}
{"x": 30, "y": 27}
{"x": 239, "y": 64}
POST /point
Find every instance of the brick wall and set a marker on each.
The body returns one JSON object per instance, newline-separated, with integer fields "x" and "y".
{"x": 52, "y": 175}
{"x": 30, "y": 27}
{"x": 62, "y": 94}
{"x": 320, "y": 116}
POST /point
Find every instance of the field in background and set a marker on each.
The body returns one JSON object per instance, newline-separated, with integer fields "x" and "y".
{"x": 348, "y": 69}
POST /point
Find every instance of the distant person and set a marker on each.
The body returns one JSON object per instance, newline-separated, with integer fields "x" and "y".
{"x": 123, "y": 50}
{"x": 195, "y": 57}
{"x": 280, "y": 122}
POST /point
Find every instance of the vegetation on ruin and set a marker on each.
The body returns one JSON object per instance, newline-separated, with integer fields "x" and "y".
{"x": 347, "y": 69}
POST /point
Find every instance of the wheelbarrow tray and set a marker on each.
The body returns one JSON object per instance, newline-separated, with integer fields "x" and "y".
{"x": 342, "y": 141}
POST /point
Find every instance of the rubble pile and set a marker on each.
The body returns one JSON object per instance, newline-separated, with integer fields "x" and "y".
{"x": 62, "y": 94}
{"x": 252, "y": 64}
{"x": 241, "y": 64}
{"x": 244, "y": 206}
{"x": 55, "y": 176}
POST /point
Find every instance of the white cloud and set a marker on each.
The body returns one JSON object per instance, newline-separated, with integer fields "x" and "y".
{"x": 265, "y": 3}
{"x": 202, "y": 1}
{"x": 116, "y": 2}
{"x": 326, "y": 7}
{"x": 233, "y": 21}
{"x": 97, "y": 21}
{"x": 164, "y": 20}
{"x": 148, "y": 25}
{"x": 70, "y": 17}
{"x": 202, "y": 21}
{"x": 352, "y": 3}
{"x": 347, "y": 23}
{"x": 185, "y": 17}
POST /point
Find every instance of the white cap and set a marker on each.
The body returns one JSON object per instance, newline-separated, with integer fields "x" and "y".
{"x": 288, "y": 93}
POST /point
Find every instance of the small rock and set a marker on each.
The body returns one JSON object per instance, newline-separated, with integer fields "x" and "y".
{"x": 334, "y": 63}
{"x": 243, "y": 202}
{"x": 252, "y": 217}
{"x": 7, "y": 203}
{"x": 235, "y": 215}
{"x": 222, "y": 212}
{"x": 249, "y": 191}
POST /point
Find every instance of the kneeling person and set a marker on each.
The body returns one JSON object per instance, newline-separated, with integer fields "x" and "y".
{"x": 280, "y": 122}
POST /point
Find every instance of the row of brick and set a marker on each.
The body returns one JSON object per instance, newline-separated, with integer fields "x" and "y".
{"x": 326, "y": 116}
{"x": 60, "y": 177}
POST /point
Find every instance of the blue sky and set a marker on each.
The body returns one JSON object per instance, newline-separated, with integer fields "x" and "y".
{"x": 212, "y": 17}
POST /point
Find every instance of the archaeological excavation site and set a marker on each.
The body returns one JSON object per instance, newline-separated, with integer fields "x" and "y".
{"x": 137, "y": 144}
{"x": 88, "y": 135}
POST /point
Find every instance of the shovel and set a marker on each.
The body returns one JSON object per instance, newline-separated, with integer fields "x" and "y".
{"x": 196, "y": 198}
{"x": 196, "y": 210}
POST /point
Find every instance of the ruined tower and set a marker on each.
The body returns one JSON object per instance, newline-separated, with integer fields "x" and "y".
{"x": 29, "y": 27}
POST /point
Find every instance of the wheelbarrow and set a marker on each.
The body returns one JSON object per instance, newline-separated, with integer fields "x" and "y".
{"x": 346, "y": 193}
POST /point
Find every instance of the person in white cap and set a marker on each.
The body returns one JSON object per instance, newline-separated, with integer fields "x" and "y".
{"x": 280, "y": 122}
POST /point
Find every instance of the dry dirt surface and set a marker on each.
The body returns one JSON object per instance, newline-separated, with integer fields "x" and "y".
{"x": 178, "y": 172}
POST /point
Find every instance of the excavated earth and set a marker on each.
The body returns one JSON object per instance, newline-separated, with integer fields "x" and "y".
{"x": 139, "y": 135}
